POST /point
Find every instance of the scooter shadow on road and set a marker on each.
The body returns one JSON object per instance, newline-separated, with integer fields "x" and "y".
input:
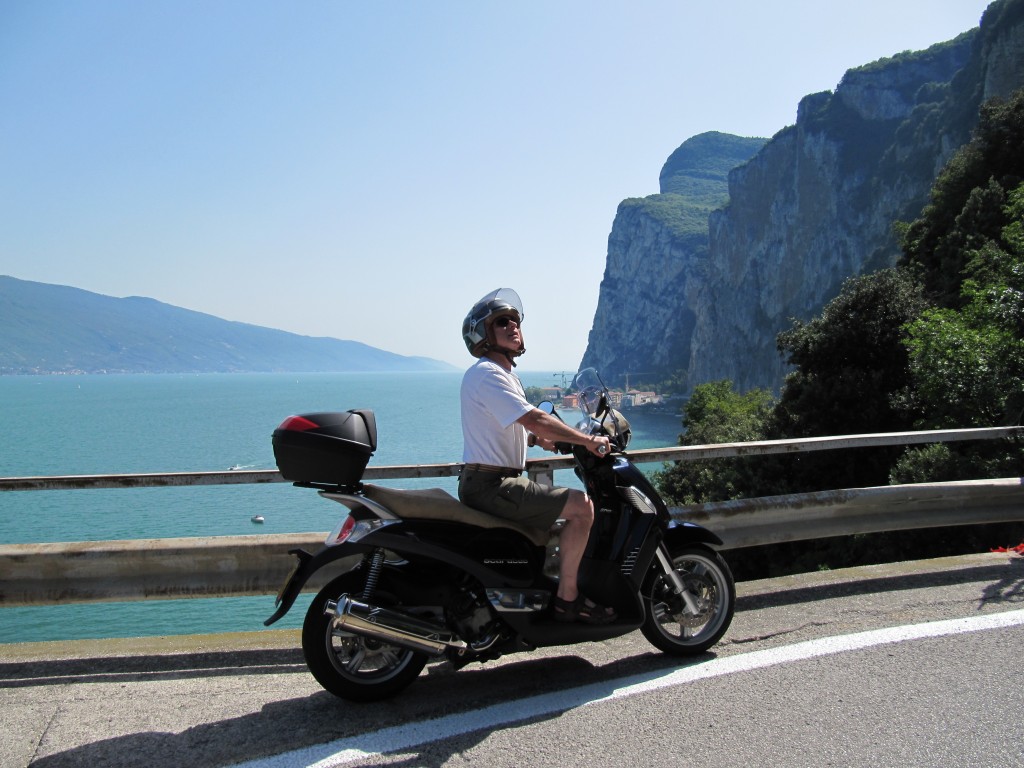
{"x": 308, "y": 721}
{"x": 1009, "y": 588}
{"x": 1006, "y": 584}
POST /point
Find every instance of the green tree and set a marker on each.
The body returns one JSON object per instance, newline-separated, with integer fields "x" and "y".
{"x": 968, "y": 363}
{"x": 535, "y": 395}
{"x": 967, "y": 202}
{"x": 851, "y": 363}
{"x": 715, "y": 413}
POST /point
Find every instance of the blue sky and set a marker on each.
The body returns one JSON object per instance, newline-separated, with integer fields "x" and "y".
{"x": 368, "y": 170}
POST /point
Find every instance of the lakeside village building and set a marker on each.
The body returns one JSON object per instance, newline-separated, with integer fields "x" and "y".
{"x": 630, "y": 399}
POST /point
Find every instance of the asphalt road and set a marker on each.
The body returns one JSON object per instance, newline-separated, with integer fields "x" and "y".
{"x": 914, "y": 664}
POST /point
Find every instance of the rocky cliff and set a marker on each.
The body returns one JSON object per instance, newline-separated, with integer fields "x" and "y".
{"x": 815, "y": 205}
{"x": 657, "y": 253}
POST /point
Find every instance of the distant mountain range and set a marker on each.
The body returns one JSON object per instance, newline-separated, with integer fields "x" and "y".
{"x": 58, "y": 329}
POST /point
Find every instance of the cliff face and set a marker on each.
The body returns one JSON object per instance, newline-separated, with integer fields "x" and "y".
{"x": 813, "y": 207}
{"x": 657, "y": 253}
{"x": 645, "y": 319}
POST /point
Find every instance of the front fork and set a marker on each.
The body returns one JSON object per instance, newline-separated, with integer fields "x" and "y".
{"x": 678, "y": 587}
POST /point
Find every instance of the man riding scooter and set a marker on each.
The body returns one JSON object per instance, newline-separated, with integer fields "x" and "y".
{"x": 498, "y": 424}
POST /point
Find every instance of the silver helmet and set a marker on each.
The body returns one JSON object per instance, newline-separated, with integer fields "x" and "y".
{"x": 476, "y": 328}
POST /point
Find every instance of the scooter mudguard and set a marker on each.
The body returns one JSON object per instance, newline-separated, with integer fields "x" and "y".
{"x": 681, "y": 533}
{"x": 306, "y": 566}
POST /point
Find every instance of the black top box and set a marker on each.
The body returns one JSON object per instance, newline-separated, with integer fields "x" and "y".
{"x": 326, "y": 448}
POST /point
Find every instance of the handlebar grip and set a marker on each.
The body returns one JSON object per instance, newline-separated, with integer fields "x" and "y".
{"x": 602, "y": 450}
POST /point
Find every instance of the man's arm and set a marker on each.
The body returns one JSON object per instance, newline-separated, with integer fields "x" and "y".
{"x": 548, "y": 428}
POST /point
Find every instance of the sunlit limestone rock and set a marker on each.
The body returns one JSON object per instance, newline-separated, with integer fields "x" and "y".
{"x": 803, "y": 212}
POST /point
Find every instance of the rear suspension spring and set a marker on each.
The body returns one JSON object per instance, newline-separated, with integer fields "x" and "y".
{"x": 374, "y": 564}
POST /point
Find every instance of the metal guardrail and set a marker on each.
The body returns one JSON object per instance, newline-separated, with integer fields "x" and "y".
{"x": 539, "y": 469}
{"x": 52, "y": 573}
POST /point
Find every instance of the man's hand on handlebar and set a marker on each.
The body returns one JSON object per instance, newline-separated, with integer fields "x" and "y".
{"x": 557, "y": 435}
{"x": 547, "y": 445}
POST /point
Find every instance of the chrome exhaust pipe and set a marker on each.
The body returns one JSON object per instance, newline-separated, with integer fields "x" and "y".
{"x": 394, "y": 627}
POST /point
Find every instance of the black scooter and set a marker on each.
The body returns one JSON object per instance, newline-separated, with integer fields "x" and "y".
{"x": 424, "y": 577}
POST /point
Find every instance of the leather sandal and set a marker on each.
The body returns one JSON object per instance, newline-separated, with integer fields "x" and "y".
{"x": 583, "y": 610}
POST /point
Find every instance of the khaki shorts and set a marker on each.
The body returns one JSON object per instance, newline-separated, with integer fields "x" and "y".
{"x": 518, "y": 499}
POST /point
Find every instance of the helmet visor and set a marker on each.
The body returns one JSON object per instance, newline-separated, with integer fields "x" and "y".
{"x": 502, "y": 299}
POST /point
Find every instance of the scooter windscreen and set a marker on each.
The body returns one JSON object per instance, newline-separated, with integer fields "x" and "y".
{"x": 598, "y": 414}
{"x": 589, "y": 390}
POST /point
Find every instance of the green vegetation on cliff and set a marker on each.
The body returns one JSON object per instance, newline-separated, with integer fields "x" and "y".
{"x": 695, "y": 181}
{"x": 701, "y": 165}
{"x": 680, "y": 215}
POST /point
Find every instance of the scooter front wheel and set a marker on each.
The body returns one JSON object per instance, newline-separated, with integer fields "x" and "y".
{"x": 689, "y": 623}
{"x": 349, "y": 666}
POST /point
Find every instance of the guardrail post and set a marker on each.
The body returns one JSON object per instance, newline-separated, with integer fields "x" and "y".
{"x": 542, "y": 476}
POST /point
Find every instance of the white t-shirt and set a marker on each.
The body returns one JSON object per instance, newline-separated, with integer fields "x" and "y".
{"x": 492, "y": 400}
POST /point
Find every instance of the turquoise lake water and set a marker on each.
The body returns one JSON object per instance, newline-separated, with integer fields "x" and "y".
{"x": 80, "y": 425}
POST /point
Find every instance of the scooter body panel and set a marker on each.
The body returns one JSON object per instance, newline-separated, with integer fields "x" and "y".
{"x": 496, "y": 557}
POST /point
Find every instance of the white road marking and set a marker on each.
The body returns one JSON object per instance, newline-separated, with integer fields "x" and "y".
{"x": 404, "y": 737}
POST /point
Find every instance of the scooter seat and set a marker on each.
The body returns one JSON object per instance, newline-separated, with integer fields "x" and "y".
{"x": 438, "y": 504}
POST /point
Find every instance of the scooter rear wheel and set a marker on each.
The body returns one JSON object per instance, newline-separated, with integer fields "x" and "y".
{"x": 349, "y": 666}
{"x": 689, "y": 624}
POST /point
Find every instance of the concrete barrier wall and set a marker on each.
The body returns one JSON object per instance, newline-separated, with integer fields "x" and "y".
{"x": 140, "y": 569}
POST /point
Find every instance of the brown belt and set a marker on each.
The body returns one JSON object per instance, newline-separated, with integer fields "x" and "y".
{"x": 503, "y": 471}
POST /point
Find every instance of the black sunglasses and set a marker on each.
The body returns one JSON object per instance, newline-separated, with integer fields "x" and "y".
{"x": 502, "y": 322}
